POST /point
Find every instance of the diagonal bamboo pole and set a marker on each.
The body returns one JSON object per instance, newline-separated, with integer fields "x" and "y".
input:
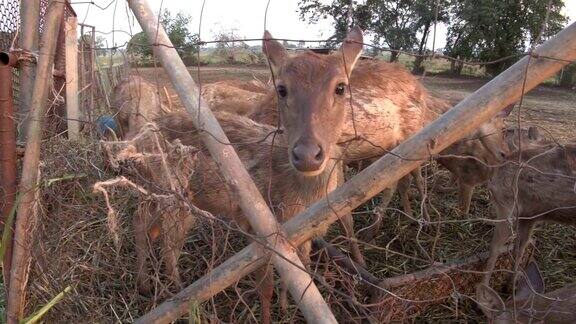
{"x": 286, "y": 260}
{"x": 476, "y": 109}
{"x": 26, "y": 217}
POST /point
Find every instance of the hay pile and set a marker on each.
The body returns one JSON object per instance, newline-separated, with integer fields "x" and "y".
{"x": 76, "y": 248}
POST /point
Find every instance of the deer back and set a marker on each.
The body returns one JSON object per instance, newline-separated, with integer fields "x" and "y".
{"x": 137, "y": 102}
{"x": 544, "y": 184}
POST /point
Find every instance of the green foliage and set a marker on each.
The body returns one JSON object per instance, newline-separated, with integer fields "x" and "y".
{"x": 567, "y": 77}
{"x": 488, "y": 30}
{"x": 231, "y": 51}
{"x": 395, "y": 24}
{"x": 181, "y": 37}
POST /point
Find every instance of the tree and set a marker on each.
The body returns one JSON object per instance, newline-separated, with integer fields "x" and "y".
{"x": 181, "y": 37}
{"x": 489, "y": 30}
{"x": 394, "y": 24}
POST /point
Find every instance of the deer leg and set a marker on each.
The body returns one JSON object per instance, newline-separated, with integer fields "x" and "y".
{"x": 176, "y": 224}
{"x": 502, "y": 233}
{"x": 347, "y": 223}
{"x": 374, "y": 229}
{"x": 465, "y": 196}
{"x": 404, "y": 191}
{"x": 417, "y": 175}
{"x": 265, "y": 287}
{"x": 141, "y": 222}
{"x": 522, "y": 238}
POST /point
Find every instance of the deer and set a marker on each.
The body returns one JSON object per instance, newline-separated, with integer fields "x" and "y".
{"x": 240, "y": 97}
{"x": 305, "y": 163}
{"x": 314, "y": 95}
{"x": 534, "y": 185}
{"x": 529, "y": 303}
{"x": 136, "y": 102}
{"x": 266, "y": 159}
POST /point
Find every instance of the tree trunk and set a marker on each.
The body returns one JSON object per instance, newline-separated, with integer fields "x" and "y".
{"x": 418, "y": 69}
{"x": 394, "y": 56}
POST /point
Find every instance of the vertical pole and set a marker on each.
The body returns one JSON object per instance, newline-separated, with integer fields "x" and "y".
{"x": 72, "y": 107}
{"x": 81, "y": 74}
{"x": 92, "y": 70}
{"x": 8, "y": 171}
{"x": 256, "y": 211}
{"x": 29, "y": 20}
{"x": 26, "y": 216}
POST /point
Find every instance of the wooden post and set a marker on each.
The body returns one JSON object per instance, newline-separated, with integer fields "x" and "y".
{"x": 26, "y": 215}
{"x": 72, "y": 104}
{"x": 284, "y": 258}
{"x": 30, "y": 18}
{"x": 469, "y": 114}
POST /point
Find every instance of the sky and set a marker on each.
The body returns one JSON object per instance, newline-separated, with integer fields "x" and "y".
{"x": 244, "y": 18}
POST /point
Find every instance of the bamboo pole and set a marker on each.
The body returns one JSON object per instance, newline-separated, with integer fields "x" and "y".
{"x": 26, "y": 217}
{"x": 285, "y": 258}
{"x": 72, "y": 105}
{"x": 476, "y": 109}
{"x": 8, "y": 169}
{"x": 29, "y": 20}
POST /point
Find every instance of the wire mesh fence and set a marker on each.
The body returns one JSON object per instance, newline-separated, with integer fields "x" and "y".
{"x": 9, "y": 25}
{"x": 76, "y": 248}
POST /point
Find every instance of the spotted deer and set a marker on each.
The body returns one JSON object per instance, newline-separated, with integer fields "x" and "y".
{"x": 539, "y": 189}
{"x": 529, "y": 303}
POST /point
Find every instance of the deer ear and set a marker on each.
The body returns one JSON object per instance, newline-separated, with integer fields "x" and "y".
{"x": 506, "y": 111}
{"x": 275, "y": 52}
{"x": 489, "y": 300}
{"x": 491, "y": 138}
{"x": 530, "y": 282}
{"x": 352, "y": 48}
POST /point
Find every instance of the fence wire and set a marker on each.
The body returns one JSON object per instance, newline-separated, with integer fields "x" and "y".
{"x": 104, "y": 277}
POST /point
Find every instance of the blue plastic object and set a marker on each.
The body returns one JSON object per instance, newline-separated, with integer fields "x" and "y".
{"x": 106, "y": 123}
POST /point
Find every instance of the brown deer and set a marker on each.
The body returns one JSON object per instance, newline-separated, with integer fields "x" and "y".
{"x": 305, "y": 164}
{"x": 289, "y": 189}
{"x": 529, "y": 303}
{"x": 540, "y": 189}
{"x": 137, "y": 102}
{"x": 240, "y": 97}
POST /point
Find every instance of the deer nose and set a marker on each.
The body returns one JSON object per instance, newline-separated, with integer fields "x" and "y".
{"x": 307, "y": 157}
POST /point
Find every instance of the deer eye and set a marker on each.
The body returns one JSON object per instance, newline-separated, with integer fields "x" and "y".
{"x": 340, "y": 89}
{"x": 282, "y": 92}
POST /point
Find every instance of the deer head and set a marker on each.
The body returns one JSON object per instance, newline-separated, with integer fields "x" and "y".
{"x": 530, "y": 284}
{"x": 313, "y": 94}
